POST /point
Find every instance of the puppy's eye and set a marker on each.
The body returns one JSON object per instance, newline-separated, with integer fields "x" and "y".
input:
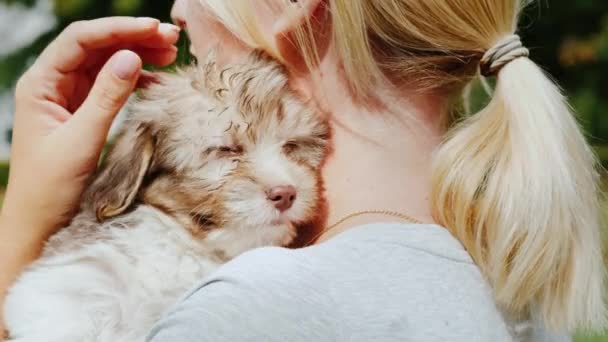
{"x": 290, "y": 147}
{"x": 230, "y": 151}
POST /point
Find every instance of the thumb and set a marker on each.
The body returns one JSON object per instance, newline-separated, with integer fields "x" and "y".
{"x": 111, "y": 90}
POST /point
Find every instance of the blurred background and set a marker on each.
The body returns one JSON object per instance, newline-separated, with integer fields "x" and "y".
{"x": 569, "y": 39}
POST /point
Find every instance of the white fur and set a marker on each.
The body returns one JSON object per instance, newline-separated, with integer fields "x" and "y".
{"x": 111, "y": 281}
{"x": 115, "y": 289}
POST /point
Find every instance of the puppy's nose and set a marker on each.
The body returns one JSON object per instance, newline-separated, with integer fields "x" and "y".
{"x": 282, "y": 196}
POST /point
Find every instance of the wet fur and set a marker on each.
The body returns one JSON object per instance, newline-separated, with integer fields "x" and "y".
{"x": 181, "y": 192}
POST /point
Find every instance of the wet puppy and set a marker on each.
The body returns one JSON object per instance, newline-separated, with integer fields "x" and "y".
{"x": 210, "y": 163}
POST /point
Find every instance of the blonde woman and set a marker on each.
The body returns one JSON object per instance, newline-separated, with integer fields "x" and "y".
{"x": 484, "y": 229}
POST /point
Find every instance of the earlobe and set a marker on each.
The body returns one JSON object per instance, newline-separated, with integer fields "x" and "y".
{"x": 300, "y": 13}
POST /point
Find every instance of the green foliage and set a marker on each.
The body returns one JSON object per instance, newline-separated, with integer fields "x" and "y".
{"x": 568, "y": 38}
{"x": 127, "y": 7}
{"x": 67, "y": 11}
{"x": 24, "y": 2}
{"x": 591, "y": 338}
{"x": 15, "y": 64}
{"x": 3, "y": 173}
{"x": 71, "y": 8}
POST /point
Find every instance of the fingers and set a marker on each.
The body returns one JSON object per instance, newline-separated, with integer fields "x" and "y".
{"x": 111, "y": 89}
{"x": 168, "y": 36}
{"x": 158, "y": 57}
{"x": 71, "y": 48}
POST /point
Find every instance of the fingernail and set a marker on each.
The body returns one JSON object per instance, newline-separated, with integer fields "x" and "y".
{"x": 125, "y": 64}
{"x": 165, "y": 28}
{"x": 144, "y": 21}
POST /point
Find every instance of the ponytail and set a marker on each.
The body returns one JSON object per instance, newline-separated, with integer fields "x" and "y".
{"x": 517, "y": 184}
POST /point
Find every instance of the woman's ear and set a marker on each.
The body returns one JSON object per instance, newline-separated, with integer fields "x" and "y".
{"x": 291, "y": 27}
{"x": 116, "y": 185}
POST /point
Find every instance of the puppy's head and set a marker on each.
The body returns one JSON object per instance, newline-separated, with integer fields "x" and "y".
{"x": 224, "y": 152}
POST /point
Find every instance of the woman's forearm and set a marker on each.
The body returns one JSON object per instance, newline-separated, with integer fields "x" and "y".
{"x": 51, "y": 117}
{"x": 20, "y": 244}
{"x": 16, "y": 252}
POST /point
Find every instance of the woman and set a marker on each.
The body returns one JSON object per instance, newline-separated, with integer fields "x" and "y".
{"x": 515, "y": 186}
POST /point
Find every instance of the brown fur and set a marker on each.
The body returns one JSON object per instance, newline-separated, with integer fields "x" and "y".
{"x": 160, "y": 160}
{"x": 190, "y": 183}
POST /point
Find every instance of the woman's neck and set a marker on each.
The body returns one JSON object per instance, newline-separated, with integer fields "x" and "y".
{"x": 381, "y": 158}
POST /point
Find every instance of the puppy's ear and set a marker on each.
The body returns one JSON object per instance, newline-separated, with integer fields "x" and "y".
{"x": 123, "y": 172}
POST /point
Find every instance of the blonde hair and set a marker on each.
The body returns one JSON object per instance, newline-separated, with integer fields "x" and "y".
{"x": 516, "y": 183}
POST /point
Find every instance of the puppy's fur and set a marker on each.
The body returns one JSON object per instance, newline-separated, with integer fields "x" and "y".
{"x": 183, "y": 190}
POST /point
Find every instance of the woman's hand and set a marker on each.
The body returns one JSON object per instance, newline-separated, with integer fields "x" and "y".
{"x": 65, "y": 104}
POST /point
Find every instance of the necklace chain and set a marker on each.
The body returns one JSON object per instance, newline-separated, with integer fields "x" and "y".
{"x": 396, "y": 214}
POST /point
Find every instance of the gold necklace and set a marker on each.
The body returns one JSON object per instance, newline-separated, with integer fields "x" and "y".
{"x": 402, "y": 216}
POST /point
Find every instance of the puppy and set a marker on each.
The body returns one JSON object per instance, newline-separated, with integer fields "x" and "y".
{"x": 210, "y": 163}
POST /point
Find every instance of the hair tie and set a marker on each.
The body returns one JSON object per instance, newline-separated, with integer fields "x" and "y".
{"x": 502, "y": 53}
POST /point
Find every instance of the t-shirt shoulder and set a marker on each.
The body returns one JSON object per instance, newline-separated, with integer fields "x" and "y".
{"x": 258, "y": 296}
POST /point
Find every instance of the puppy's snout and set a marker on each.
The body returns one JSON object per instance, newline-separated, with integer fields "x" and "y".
{"x": 282, "y": 197}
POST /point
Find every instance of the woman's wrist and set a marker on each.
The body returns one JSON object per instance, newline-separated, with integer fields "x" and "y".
{"x": 18, "y": 233}
{"x": 23, "y": 232}
{"x": 18, "y": 225}
{"x": 21, "y": 240}
{"x": 19, "y": 246}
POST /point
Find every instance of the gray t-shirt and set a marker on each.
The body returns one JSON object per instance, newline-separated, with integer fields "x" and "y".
{"x": 379, "y": 282}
